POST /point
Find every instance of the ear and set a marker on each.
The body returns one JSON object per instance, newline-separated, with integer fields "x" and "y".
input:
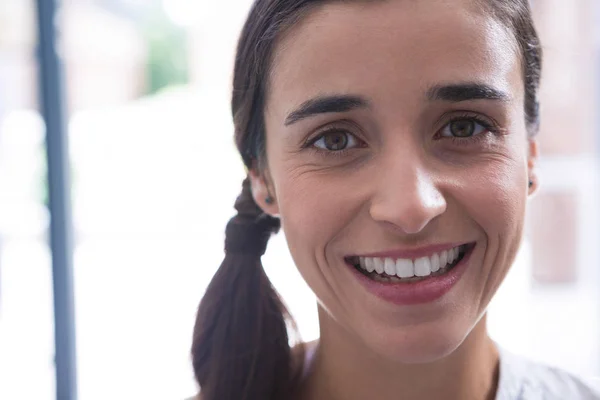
{"x": 261, "y": 191}
{"x": 532, "y": 159}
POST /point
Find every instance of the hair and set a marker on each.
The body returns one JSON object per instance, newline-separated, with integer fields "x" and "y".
{"x": 240, "y": 347}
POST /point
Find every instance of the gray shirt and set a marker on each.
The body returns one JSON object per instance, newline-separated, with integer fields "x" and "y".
{"x": 521, "y": 379}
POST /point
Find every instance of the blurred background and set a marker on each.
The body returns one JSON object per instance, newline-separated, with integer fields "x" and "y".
{"x": 153, "y": 164}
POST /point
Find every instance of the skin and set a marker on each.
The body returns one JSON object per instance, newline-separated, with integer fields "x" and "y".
{"x": 402, "y": 184}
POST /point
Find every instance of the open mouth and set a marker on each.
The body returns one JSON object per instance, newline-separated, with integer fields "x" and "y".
{"x": 401, "y": 270}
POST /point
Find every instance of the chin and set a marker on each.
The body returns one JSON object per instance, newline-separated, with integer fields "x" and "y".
{"x": 414, "y": 345}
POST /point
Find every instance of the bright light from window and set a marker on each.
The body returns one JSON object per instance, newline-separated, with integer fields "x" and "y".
{"x": 184, "y": 13}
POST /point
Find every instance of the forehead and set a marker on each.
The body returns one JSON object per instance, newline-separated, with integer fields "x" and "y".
{"x": 391, "y": 51}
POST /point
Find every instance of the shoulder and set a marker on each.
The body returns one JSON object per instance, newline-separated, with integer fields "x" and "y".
{"x": 523, "y": 379}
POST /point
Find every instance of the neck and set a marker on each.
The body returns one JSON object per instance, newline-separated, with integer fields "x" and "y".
{"x": 343, "y": 369}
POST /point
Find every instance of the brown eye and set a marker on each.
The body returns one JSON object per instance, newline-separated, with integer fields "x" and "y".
{"x": 463, "y": 128}
{"x": 336, "y": 140}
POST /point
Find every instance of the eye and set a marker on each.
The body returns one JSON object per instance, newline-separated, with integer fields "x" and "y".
{"x": 336, "y": 140}
{"x": 463, "y": 128}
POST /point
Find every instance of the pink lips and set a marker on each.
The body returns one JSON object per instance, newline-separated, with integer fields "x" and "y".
{"x": 411, "y": 293}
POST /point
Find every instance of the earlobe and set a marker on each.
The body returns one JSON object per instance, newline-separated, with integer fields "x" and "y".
{"x": 262, "y": 194}
{"x": 531, "y": 165}
{"x": 533, "y": 187}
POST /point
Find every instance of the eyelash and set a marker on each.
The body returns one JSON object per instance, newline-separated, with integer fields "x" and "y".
{"x": 331, "y": 129}
{"x": 489, "y": 126}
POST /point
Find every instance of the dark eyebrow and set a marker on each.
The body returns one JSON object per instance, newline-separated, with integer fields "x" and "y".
{"x": 326, "y": 104}
{"x": 465, "y": 92}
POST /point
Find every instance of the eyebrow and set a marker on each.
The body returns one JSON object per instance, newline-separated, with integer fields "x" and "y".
{"x": 466, "y": 91}
{"x": 326, "y": 104}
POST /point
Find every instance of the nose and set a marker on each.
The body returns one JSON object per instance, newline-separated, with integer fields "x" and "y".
{"x": 406, "y": 197}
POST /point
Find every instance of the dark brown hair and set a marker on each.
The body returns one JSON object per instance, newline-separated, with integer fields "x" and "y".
{"x": 240, "y": 347}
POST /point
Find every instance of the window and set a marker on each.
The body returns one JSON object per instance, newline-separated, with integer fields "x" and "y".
{"x": 26, "y": 313}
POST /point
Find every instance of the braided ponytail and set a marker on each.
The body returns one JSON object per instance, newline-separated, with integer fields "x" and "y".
{"x": 240, "y": 347}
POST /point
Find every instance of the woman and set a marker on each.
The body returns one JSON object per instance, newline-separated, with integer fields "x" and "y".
{"x": 395, "y": 143}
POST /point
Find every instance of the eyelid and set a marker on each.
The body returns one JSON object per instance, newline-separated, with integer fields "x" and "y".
{"x": 487, "y": 122}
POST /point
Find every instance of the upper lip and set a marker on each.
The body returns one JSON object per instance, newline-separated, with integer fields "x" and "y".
{"x": 413, "y": 253}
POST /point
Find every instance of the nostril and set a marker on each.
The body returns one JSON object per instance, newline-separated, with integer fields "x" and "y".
{"x": 408, "y": 215}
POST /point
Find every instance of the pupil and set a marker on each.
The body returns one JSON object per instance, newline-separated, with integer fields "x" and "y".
{"x": 462, "y": 128}
{"x": 336, "y": 141}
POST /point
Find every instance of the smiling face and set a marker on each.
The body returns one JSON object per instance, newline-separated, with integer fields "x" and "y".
{"x": 396, "y": 130}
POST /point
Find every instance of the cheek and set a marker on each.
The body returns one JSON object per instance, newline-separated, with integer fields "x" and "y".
{"x": 497, "y": 198}
{"x": 496, "y": 202}
{"x": 494, "y": 189}
{"x": 313, "y": 208}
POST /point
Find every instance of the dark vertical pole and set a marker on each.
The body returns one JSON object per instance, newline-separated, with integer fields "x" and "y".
{"x": 51, "y": 85}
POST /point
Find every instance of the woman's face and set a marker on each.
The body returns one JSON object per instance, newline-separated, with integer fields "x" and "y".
{"x": 396, "y": 133}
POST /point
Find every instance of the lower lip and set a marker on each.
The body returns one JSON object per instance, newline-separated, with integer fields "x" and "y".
{"x": 410, "y": 293}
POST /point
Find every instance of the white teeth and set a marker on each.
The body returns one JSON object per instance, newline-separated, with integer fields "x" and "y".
{"x": 390, "y": 266}
{"x": 378, "y": 265}
{"x": 435, "y": 262}
{"x": 422, "y": 266}
{"x": 405, "y": 268}
{"x": 369, "y": 264}
{"x": 443, "y": 259}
